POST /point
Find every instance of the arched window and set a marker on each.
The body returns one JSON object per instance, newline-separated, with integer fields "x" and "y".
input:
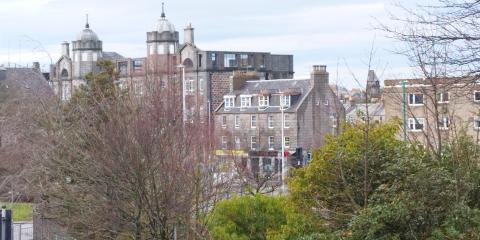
{"x": 188, "y": 63}
{"x": 64, "y": 74}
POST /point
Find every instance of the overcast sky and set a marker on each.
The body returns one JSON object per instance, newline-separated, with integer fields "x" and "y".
{"x": 338, "y": 34}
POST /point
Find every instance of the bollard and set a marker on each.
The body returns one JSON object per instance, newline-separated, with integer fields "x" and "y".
{"x": 6, "y": 224}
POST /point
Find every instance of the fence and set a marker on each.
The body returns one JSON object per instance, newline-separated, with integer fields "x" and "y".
{"x": 22, "y": 231}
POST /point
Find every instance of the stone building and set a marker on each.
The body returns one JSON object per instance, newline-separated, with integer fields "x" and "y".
{"x": 70, "y": 70}
{"x": 457, "y": 104}
{"x": 255, "y": 114}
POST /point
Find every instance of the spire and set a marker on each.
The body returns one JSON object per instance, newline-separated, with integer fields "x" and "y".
{"x": 86, "y": 24}
{"x": 163, "y": 10}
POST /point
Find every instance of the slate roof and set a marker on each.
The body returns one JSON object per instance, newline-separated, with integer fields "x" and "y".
{"x": 297, "y": 88}
{"x": 112, "y": 56}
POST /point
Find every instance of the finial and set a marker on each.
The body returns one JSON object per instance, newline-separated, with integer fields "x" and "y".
{"x": 163, "y": 10}
{"x": 87, "y": 25}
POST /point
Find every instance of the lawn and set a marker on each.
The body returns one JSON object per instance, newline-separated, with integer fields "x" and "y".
{"x": 21, "y": 211}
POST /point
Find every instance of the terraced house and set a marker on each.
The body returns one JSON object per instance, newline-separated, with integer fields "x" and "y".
{"x": 260, "y": 118}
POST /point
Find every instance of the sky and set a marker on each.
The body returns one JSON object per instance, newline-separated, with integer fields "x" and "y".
{"x": 338, "y": 34}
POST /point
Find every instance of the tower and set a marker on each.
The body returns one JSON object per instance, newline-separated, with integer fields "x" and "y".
{"x": 164, "y": 39}
{"x": 86, "y": 50}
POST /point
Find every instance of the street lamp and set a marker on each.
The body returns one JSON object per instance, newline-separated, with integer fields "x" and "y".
{"x": 183, "y": 91}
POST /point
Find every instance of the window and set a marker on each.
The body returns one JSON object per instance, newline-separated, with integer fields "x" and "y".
{"x": 244, "y": 60}
{"x": 213, "y": 58}
{"x": 253, "y": 121}
{"x": 237, "y": 121}
{"x": 270, "y": 121}
{"x": 267, "y": 165}
{"x": 476, "y": 96}
{"x": 229, "y": 60}
{"x": 443, "y": 123}
{"x": 415, "y": 99}
{"x": 94, "y": 57}
{"x": 122, "y": 68}
{"x": 286, "y": 121}
{"x": 253, "y": 142}
{"x": 229, "y": 102}
{"x": 416, "y": 124}
{"x": 476, "y": 123}
{"x": 263, "y": 101}
{"x": 285, "y": 101}
{"x": 171, "y": 49}
{"x": 443, "y": 97}
{"x": 224, "y": 142}
{"x": 189, "y": 86}
{"x": 201, "y": 86}
{"x": 286, "y": 142}
{"x": 84, "y": 57}
{"x": 200, "y": 60}
{"x": 237, "y": 142}
{"x": 137, "y": 65}
{"x": 224, "y": 121}
{"x": 245, "y": 101}
{"x": 271, "y": 142}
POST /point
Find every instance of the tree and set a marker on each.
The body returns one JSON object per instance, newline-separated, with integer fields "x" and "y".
{"x": 116, "y": 165}
{"x": 331, "y": 187}
{"x": 247, "y": 217}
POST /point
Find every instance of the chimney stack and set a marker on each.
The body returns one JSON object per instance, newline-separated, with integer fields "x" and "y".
{"x": 65, "y": 49}
{"x": 319, "y": 76}
{"x": 188, "y": 35}
{"x": 36, "y": 66}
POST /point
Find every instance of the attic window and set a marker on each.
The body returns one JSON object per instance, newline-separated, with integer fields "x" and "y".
{"x": 229, "y": 101}
{"x": 285, "y": 101}
{"x": 245, "y": 101}
{"x": 263, "y": 101}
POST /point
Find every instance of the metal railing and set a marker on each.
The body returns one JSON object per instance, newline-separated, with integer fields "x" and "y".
{"x": 22, "y": 230}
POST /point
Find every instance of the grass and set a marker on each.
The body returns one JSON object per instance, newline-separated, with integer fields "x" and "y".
{"x": 20, "y": 211}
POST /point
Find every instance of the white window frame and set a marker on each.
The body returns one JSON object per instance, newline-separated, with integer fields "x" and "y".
{"x": 286, "y": 120}
{"x": 201, "y": 86}
{"x": 253, "y": 142}
{"x": 245, "y": 101}
{"x": 413, "y": 122}
{"x": 253, "y": 121}
{"x": 224, "y": 121}
{"x": 229, "y": 101}
{"x": 444, "y": 123}
{"x": 441, "y": 96}
{"x": 270, "y": 121}
{"x": 285, "y": 101}
{"x": 237, "y": 121}
{"x": 413, "y": 101}
{"x": 271, "y": 142}
{"x": 227, "y": 58}
{"x": 474, "y": 96}
{"x": 476, "y": 123}
{"x": 263, "y": 101}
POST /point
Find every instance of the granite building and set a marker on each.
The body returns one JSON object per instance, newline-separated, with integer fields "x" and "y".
{"x": 255, "y": 115}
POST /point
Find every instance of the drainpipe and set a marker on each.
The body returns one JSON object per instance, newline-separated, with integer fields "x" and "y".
{"x": 404, "y": 113}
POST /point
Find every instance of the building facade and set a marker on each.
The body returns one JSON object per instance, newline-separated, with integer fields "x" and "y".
{"x": 259, "y": 116}
{"x": 433, "y": 109}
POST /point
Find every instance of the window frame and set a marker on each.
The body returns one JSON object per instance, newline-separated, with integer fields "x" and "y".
{"x": 413, "y": 101}
{"x": 253, "y": 144}
{"x": 476, "y": 120}
{"x": 245, "y": 104}
{"x": 284, "y": 99}
{"x": 416, "y": 121}
{"x": 224, "y": 121}
{"x": 228, "y": 58}
{"x": 475, "y": 96}
{"x": 286, "y": 139}
{"x": 253, "y": 121}
{"x": 441, "y": 97}
{"x": 263, "y": 101}
{"x": 270, "y": 121}
{"x": 271, "y": 142}
{"x": 286, "y": 120}
{"x": 224, "y": 142}
{"x": 232, "y": 99}
{"x": 237, "y": 121}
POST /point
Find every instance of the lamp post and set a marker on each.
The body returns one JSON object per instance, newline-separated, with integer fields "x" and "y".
{"x": 183, "y": 91}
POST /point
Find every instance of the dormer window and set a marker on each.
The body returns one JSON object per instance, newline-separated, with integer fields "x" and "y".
{"x": 229, "y": 101}
{"x": 245, "y": 101}
{"x": 263, "y": 101}
{"x": 285, "y": 101}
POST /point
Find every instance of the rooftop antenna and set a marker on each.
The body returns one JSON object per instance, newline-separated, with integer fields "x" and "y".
{"x": 163, "y": 10}
{"x": 87, "y": 25}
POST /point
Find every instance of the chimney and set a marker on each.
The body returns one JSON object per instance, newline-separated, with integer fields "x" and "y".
{"x": 36, "y": 66}
{"x": 65, "y": 49}
{"x": 188, "y": 35}
{"x": 319, "y": 76}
